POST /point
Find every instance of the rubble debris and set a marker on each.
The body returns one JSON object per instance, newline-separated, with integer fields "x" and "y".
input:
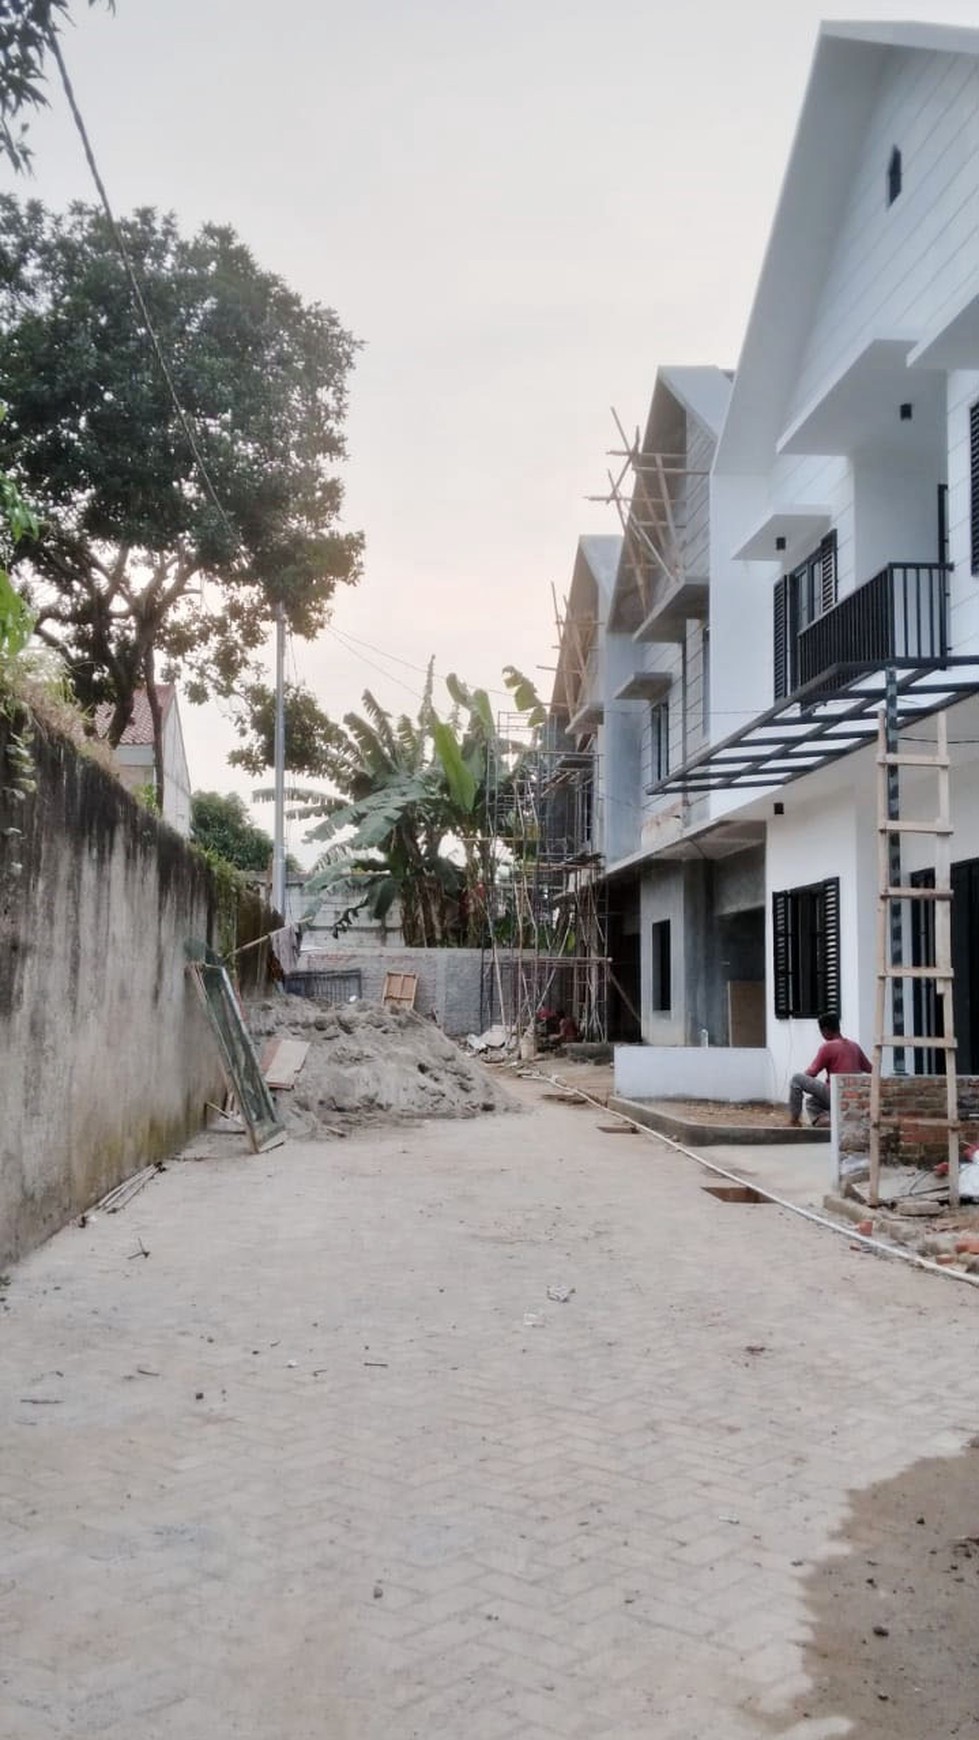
{"x": 118, "y": 1197}
{"x": 369, "y": 1065}
{"x": 560, "y": 1294}
{"x": 494, "y": 1039}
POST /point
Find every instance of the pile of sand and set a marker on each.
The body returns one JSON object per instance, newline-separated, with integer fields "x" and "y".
{"x": 367, "y": 1064}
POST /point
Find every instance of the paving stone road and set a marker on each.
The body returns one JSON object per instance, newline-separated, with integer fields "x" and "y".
{"x": 328, "y": 1464}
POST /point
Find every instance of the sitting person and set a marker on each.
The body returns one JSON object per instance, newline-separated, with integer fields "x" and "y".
{"x": 568, "y": 1031}
{"x": 836, "y": 1056}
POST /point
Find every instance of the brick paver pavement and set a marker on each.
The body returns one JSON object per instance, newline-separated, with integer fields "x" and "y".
{"x": 307, "y": 1470}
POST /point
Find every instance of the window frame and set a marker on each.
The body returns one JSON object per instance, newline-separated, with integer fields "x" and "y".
{"x": 974, "y": 486}
{"x": 806, "y": 950}
{"x": 661, "y": 987}
{"x": 659, "y": 740}
{"x": 808, "y": 592}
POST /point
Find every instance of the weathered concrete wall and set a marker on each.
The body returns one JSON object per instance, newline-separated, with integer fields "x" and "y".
{"x": 105, "y": 1058}
{"x": 459, "y": 987}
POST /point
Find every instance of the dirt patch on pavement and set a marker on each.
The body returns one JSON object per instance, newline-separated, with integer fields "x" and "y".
{"x": 894, "y": 1645}
{"x": 371, "y": 1065}
{"x": 746, "y": 1114}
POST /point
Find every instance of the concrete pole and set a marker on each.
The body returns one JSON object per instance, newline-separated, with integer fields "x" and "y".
{"x": 279, "y": 833}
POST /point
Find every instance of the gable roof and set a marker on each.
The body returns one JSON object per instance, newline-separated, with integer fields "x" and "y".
{"x": 599, "y": 553}
{"x": 836, "y": 109}
{"x": 703, "y": 391}
{"x": 139, "y": 731}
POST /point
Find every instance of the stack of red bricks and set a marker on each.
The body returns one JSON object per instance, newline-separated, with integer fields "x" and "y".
{"x": 913, "y": 1116}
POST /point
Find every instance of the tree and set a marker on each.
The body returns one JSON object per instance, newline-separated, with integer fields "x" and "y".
{"x": 141, "y": 557}
{"x": 26, "y": 29}
{"x": 420, "y": 808}
{"x": 311, "y": 738}
{"x": 221, "y": 824}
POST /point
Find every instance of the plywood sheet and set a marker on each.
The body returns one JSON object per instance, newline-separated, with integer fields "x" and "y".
{"x": 746, "y": 1012}
{"x": 282, "y": 1060}
{"x": 400, "y": 990}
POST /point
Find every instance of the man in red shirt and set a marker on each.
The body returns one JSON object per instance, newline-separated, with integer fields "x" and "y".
{"x": 836, "y": 1056}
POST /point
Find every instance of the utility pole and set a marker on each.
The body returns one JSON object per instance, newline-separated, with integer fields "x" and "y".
{"x": 279, "y": 833}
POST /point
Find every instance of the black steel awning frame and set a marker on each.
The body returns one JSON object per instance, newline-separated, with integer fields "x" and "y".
{"x": 833, "y": 716}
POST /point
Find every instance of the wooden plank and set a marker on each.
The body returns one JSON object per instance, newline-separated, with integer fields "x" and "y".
{"x": 287, "y": 1061}
{"x": 746, "y": 1012}
{"x": 400, "y": 990}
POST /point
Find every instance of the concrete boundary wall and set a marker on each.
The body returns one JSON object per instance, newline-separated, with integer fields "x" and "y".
{"x": 458, "y": 987}
{"x": 693, "y": 1072}
{"x": 106, "y": 1059}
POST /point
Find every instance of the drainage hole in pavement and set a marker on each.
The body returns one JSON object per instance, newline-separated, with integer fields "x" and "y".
{"x": 734, "y": 1193}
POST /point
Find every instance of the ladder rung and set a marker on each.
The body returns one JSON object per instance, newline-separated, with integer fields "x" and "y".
{"x": 906, "y": 892}
{"x": 892, "y": 1122}
{"x": 900, "y": 1040}
{"x": 892, "y": 826}
{"x": 893, "y": 972}
{"x": 940, "y": 763}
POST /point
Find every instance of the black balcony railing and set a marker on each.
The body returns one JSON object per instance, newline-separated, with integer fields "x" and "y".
{"x": 901, "y": 614}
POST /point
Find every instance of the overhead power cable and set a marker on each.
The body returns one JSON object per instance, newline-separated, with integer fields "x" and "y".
{"x": 137, "y": 290}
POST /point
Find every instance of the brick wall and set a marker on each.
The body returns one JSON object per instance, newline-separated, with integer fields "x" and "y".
{"x": 912, "y": 1101}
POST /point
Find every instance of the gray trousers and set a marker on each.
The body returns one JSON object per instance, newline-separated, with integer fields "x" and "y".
{"x": 813, "y": 1088}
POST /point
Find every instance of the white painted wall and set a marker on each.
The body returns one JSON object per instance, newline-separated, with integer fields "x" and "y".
{"x": 815, "y": 839}
{"x": 677, "y": 1072}
{"x": 963, "y": 392}
{"x": 896, "y": 269}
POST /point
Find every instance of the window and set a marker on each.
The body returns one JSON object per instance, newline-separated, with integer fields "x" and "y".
{"x": 806, "y": 927}
{"x": 974, "y": 483}
{"x": 705, "y": 682}
{"x": 662, "y": 967}
{"x": 659, "y": 741}
{"x": 800, "y": 597}
{"x": 894, "y": 176}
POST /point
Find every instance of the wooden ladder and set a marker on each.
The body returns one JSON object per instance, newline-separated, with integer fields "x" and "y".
{"x": 890, "y": 972}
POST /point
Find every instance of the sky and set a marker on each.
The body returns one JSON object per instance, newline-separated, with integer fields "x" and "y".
{"x": 520, "y": 207}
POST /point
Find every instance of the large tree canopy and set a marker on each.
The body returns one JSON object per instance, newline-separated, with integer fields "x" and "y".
{"x": 136, "y": 560}
{"x": 220, "y": 823}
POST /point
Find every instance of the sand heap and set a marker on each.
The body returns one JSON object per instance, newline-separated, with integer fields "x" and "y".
{"x": 368, "y": 1064}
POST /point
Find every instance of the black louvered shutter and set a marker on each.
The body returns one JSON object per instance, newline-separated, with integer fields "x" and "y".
{"x": 830, "y": 946}
{"x": 780, "y": 645}
{"x": 974, "y": 483}
{"x": 827, "y": 573}
{"x": 781, "y": 925}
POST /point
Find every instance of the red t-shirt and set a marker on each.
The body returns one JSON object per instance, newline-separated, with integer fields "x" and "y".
{"x": 840, "y": 1057}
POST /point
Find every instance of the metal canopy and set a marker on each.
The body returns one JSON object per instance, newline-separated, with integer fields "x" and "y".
{"x": 828, "y": 718}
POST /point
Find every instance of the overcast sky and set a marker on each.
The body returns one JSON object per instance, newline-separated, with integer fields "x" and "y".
{"x": 522, "y": 207}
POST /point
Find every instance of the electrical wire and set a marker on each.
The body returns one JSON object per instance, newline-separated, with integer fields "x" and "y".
{"x": 136, "y": 289}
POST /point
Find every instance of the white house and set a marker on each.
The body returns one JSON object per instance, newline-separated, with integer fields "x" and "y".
{"x": 134, "y": 753}
{"x": 844, "y": 542}
{"x": 632, "y": 687}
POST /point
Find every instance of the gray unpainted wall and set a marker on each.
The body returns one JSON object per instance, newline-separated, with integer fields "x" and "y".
{"x": 106, "y": 1059}
{"x": 715, "y": 935}
{"x": 457, "y": 987}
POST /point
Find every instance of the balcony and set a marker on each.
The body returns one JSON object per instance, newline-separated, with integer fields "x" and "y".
{"x": 674, "y": 604}
{"x": 901, "y": 615}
